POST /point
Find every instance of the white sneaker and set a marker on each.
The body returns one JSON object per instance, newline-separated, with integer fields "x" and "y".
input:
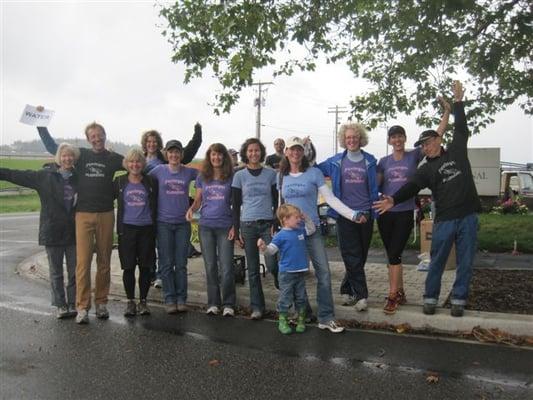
{"x": 331, "y": 326}
{"x": 256, "y": 315}
{"x": 361, "y": 305}
{"x": 158, "y": 283}
{"x": 82, "y": 317}
{"x": 213, "y": 310}
{"x": 62, "y": 312}
{"x": 228, "y": 312}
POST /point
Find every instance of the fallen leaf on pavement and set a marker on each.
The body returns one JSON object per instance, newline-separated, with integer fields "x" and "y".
{"x": 402, "y": 328}
{"x": 214, "y": 363}
{"x": 432, "y": 377}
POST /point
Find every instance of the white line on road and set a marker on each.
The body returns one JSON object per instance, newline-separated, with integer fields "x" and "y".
{"x": 19, "y": 241}
{"x": 10, "y": 306}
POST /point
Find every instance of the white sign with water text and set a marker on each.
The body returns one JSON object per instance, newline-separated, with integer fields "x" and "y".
{"x": 30, "y": 116}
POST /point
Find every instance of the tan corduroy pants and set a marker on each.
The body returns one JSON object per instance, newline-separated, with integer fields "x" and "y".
{"x": 93, "y": 231}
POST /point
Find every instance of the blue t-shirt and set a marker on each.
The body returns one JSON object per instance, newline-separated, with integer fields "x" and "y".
{"x": 302, "y": 191}
{"x": 215, "y": 210}
{"x": 256, "y": 193}
{"x": 396, "y": 173}
{"x": 292, "y": 250}
{"x": 136, "y": 205}
{"x": 173, "y": 196}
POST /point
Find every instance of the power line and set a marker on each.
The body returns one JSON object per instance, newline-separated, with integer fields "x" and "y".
{"x": 336, "y": 110}
{"x": 297, "y": 131}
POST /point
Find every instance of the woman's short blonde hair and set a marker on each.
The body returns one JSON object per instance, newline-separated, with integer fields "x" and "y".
{"x": 66, "y": 147}
{"x": 358, "y": 129}
{"x": 132, "y": 155}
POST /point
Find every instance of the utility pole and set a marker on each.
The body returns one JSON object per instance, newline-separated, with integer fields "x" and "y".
{"x": 258, "y": 102}
{"x": 336, "y": 110}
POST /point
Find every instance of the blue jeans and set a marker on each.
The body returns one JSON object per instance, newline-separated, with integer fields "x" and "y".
{"x": 354, "y": 242}
{"x": 463, "y": 232}
{"x": 173, "y": 245}
{"x": 57, "y": 284}
{"x": 319, "y": 259}
{"x": 250, "y": 232}
{"x": 292, "y": 288}
{"x": 217, "y": 251}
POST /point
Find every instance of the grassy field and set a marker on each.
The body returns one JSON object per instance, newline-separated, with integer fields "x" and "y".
{"x": 21, "y": 163}
{"x": 20, "y": 203}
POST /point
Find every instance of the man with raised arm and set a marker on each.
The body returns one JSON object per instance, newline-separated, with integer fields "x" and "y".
{"x": 448, "y": 174}
{"x": 95, "y": 218}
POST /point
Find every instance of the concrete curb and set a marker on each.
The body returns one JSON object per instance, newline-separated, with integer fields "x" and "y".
{"x": 36, "y": 267}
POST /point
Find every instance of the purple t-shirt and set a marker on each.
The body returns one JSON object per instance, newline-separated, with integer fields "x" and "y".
{"x": 397, "y": 173}
{"x": 136, "y": 205}
{"x": 68, "y": 195}
{"x": 354, "y": 185}
{"x": 173, "y": 199}
{"x": 215, "y": 211}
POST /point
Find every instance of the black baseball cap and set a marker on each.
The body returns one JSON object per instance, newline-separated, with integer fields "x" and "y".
{"x": 425, "y": 136}
{"x": 174, "y": 144}
{"x": 396, "y": 129}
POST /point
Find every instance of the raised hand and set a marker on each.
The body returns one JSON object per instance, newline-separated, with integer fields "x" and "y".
{"x": 458, "y": 91}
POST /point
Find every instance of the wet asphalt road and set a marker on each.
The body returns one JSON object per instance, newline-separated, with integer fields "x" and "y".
{"x": 193, "y": 356}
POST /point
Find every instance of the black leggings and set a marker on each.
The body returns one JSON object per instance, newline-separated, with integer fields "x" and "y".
{"x": 128, "y": 278}
{"x": 395, "y": 228}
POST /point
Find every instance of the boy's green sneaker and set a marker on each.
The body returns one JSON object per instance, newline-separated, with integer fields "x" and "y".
{"x": 300, "y": 325}
{"x": 283, "y": 324}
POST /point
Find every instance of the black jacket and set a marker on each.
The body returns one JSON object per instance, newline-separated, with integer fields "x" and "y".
{"x": 449, "y": 176}
{"x": 151, "y": 187}
{"x": 56, "y": 224}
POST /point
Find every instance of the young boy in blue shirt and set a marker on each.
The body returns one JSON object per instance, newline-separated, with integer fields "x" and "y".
{"x": 293, "y": 263}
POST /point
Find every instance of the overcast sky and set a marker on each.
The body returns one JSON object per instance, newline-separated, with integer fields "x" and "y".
{"x": 107, "y": 61}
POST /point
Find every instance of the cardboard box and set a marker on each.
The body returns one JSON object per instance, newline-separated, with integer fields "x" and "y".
{"x": 426, "y": 231}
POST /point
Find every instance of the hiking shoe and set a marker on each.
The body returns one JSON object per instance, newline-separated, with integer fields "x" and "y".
{"x": 194, "y": 253}
{"x": 131, "y": 309}
{"x": 213, "y": 310}
{"x": 143, "y": 308}
{"x": 283, "y": 324}
{"x": 457, "y": 310}
{"x": 256, "y": 315}
{"x": 158, "y": 283}
{"x": 101, "y": 311}
{"x": 429, "y": 309}
{"x": 62, "y": 312}
{"x": 361, "y": 305}
{"x": 310, "y": 319}
{"x": 72, "y": 311}
{"x": 401, "y": 297}
{"x": 171, "y": 308}
{"x": 82, "y": 317}
{"x": 182, "y": 307}
{"x": 391, "y": 305}
{"x": 300, "y": 323}
{"x": 332, "y": 326}
{"x": 228, "y": 312}
{"x": 349, "y": 300}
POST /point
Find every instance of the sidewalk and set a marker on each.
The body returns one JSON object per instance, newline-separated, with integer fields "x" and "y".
{"x": 377, "y": 279}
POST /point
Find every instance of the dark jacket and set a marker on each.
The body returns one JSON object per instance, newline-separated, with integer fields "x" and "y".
{"x": 449, "y": 176}
{"x": 151, "y": 187}
{"x": 56, "y": 223}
